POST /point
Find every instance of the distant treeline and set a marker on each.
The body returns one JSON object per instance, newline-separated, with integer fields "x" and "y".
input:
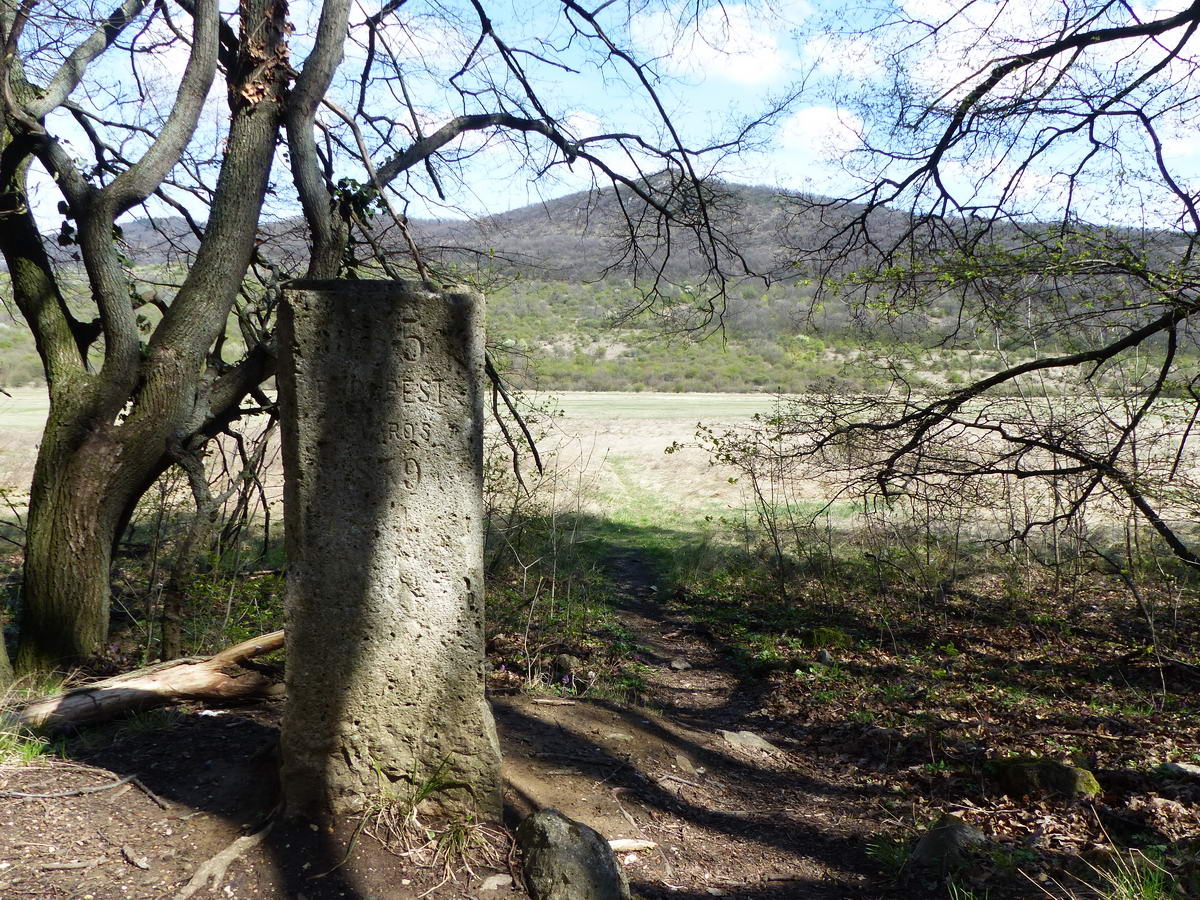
{"x": 556, "y": 335}
{"x": 560, "y": 320}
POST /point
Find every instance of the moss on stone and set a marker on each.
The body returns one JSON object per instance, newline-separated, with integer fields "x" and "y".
{"x": 1036, "y": 776}
{"x": 826, "y": 637}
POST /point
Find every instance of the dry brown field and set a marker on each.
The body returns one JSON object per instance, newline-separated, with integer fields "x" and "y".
{"x": 608, "y": 446}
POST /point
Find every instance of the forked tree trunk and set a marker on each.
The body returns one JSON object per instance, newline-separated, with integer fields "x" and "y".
{"x": 381, "y": 410}
{"x": 113, "y": 428}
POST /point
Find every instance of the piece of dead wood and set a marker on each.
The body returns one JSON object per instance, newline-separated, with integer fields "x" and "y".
{"x": 71, "y": 866}
{"x": 1089, "y": 734}
{"x": 74, "y": 793}
{"x": 545, "y": 702}
{"x": 631, "y": 845}
{"x": 215, "y": 867}
{"x": 616, "y": 795}
{"x": 157, "y": 800}
{"x": 220, "y": 677}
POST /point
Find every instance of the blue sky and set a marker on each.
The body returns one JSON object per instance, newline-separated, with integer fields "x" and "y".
{"x": 714, "y": 71}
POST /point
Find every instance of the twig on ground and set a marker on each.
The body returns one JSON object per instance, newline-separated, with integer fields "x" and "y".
{"x": 75, "y": 793}
{"x": 616, "y": 794}
{"x": 149, "y": 793}
{"x": 66, "y": 867}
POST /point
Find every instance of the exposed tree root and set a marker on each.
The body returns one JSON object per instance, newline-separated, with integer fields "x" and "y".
{"x": 214, "y": 868}
{"x": 220, "y": 677}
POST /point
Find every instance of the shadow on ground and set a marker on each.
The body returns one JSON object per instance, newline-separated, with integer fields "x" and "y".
{"x": 788, "y": 824}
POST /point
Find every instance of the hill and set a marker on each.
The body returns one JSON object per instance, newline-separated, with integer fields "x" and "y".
{"x": 554, "y": 298}
{"x": 571, "y": 238}
{"x": 563, "y": 317}
{"x": 575, "y": 238}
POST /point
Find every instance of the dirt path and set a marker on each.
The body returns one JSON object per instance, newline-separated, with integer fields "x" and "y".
{"x": 736, "y": 821}
{"x": 727, "y": 820}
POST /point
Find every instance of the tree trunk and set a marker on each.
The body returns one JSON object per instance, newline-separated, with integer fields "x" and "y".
{"x": 112, "y": 431}
{"x": 64, "y": 609}
{"x": 81, "y": 493}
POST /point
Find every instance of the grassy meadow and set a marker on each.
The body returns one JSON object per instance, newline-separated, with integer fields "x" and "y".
{"x": 614, "y": 440}
{"x": 22, "y": 416}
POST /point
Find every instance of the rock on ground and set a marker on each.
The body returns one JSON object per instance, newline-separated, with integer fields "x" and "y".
{"x": 748, "y": 740}
{"x": 495, "y": 882}
{"x": 1037, "y": 777}
{"x": 567, "y": 860}
{"x": 1180, "y": 770}
{"x": 944, "y": 845}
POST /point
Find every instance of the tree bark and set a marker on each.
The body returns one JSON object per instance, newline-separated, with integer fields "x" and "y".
{"x": 111, "y": 433}
{"x": 78, "y": 502}
{"x": 6, "y": 671}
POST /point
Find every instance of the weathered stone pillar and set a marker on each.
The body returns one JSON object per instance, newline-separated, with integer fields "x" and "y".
{"x": 381, "y": 394}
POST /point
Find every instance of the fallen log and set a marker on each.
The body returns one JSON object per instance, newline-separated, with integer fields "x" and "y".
{"x": 220, "y": 677}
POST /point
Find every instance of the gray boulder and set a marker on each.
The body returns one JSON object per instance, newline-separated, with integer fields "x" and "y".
{"x": 1040, "y": 777}
{"x": 748, "y": 740}
{"x": 1180, "y": 770}
{"x": 944, "y": 846}
{"x": 566, "y": 664}
{"x": 567, "y": 860}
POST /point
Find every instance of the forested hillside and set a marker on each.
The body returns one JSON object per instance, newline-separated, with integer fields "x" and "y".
{"x": 559, "y": 319}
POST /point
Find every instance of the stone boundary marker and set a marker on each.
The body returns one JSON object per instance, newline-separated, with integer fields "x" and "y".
{"x": 381, "y": 392}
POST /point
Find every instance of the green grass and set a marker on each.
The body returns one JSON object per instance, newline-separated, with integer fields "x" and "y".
{"x": 24, "y": 412}
{"x": 1135, "y": 875}
{"x": 20, "y": 747}
{"x": 657, "y": 406}
{"x": 890, "y": 853}
{"x": 956, "y": 891}
{"x": 1129, "y": 874}
{"x": 648, "y": 508}
{"x": 150, "y": 721}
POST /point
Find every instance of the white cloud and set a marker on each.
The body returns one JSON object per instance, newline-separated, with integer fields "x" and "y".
{"x": 580, "y": 124}
{"x": 821, "y": 133}
{"x": 853, "y": 56}
{"x": 736, "y": 42}
{"x": 965, "y": 40}
{"x": 814, "y": 152}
